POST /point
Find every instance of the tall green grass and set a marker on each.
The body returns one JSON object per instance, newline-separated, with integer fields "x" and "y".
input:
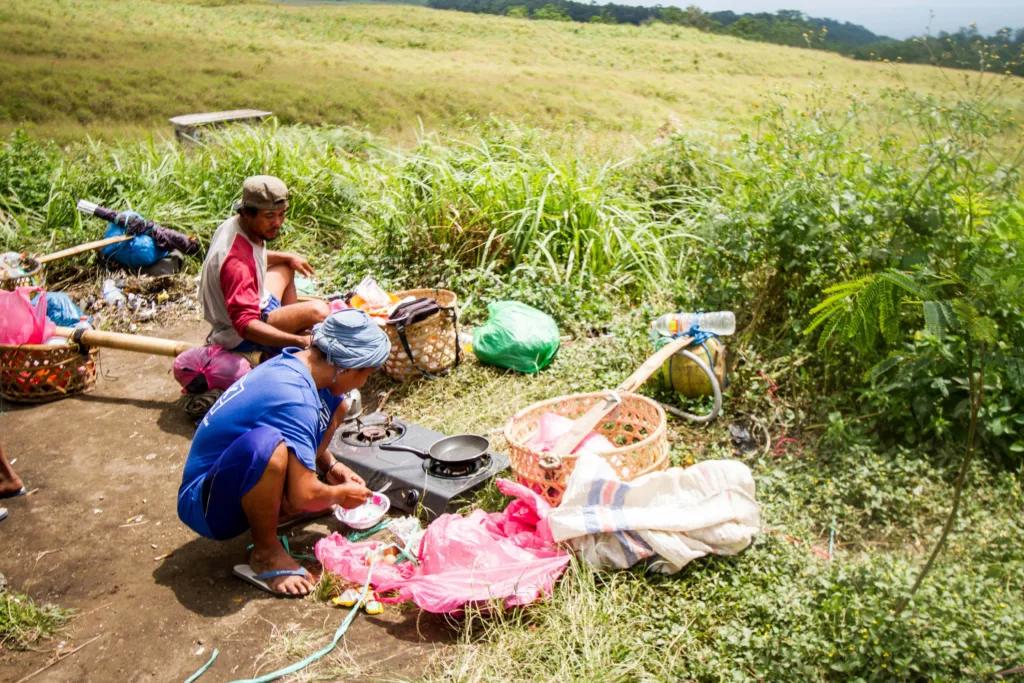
{"x": 468, "y": 204}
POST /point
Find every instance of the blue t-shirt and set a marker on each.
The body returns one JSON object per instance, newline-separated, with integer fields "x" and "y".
{"x": 280, "y": 394}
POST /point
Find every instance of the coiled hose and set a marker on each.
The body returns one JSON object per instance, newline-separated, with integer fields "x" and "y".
{"x": 715, "y": 409}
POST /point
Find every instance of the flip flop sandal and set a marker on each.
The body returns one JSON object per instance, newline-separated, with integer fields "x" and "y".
{"x": 13, "y": 495}
{"x": 3, "y": 514}
{"x": 246, "y": 573}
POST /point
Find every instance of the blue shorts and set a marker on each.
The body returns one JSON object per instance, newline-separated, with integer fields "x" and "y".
{"x": 232, "y": 476}
{"x": 273, "y": 303}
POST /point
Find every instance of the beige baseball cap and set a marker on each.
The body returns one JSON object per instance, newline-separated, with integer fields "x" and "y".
{"x": 264, "y": 192}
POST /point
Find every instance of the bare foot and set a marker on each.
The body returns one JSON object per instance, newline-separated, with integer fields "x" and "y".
{"x": 273, "y": 558}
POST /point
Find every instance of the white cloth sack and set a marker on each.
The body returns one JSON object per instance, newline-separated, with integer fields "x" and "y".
{"x": 673, "y": 516}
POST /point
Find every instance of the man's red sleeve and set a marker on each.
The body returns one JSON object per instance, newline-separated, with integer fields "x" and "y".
{"x": 239, "y": 285}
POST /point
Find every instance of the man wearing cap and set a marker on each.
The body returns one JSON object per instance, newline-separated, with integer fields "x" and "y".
{"x": 248, "y": 291}
{"x": 254, "y": 459}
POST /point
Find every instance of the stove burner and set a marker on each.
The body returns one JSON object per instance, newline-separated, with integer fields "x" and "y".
{"x": 372, "y": 432}
{"x": 456, "y": 470}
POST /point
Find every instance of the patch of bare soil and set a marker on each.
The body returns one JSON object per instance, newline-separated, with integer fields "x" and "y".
{"x": 106, "y": 468}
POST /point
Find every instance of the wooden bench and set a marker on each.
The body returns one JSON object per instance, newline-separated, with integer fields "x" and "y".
{"x": 187, "y": 127}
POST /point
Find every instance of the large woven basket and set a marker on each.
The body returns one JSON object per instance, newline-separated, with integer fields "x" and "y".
{"x": 432, "y": 341}
{"x": 38, "y": 373}
{"x": 35, "y": 277}
{"x": 637, "y": 427}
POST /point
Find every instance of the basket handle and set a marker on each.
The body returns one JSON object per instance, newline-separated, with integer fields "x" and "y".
{"x": 593, "y": 417}
{"x": 549, "y": 462}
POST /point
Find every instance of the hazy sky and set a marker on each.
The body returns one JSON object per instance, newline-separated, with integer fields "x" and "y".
{"x": 894, "y": 18}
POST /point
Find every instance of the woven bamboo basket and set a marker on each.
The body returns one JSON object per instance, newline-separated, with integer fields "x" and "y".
{"x": 39, "y": 373}
{"x": 432, "y": 341}
{"x": 35, "y": 277}
{"x": 637, "y": 427}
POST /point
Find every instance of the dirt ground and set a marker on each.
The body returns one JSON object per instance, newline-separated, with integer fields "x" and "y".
{"x": 98, "y": 461}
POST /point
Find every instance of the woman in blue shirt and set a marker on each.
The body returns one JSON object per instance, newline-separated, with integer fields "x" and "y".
{"x": 254, "y": 457}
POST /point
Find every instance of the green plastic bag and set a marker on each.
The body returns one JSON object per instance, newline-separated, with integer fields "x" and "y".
{"x": 516, "y": 336}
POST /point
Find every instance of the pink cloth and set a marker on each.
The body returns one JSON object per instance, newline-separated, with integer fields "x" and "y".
{"x": 506, "y": 556}
{"x": 220, "y": 368}
{"x": 551, "y": 428}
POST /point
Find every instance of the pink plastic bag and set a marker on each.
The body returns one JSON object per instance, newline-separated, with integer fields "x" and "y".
{"x": 218, "y": 367}
{"x": 550, "y": 429}
{"x": 507, "y": 556}
{"x": 20, "y": 321}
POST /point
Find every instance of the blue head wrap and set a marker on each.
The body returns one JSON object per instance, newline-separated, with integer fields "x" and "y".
{"x": 350, "y": 339}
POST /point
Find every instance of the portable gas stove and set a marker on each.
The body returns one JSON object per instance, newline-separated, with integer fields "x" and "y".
{"x": 414, "y": 480}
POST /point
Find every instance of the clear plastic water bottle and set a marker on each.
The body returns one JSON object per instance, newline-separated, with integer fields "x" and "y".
{"x": 722, "y": 323}
{"x": 112, "y": 294}
{"x": 83, "y": 324}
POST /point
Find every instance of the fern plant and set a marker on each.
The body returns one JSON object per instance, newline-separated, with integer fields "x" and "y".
{"x": 964, "y": 303}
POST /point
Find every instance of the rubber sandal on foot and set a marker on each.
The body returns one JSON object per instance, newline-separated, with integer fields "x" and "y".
{"x": 247, "y": 574}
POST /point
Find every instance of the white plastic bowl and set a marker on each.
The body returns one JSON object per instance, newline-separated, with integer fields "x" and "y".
{"x": 366, "y": 515}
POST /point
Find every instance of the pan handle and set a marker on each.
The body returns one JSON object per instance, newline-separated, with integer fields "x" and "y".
{"x": 401, "y": 447}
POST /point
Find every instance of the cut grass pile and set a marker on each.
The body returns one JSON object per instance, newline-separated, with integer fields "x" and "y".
{"x": 24, "y": 622}
{"x": 122, "y": 68}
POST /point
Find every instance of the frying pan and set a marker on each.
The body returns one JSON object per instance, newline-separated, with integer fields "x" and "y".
{"x": 460, "y": 448}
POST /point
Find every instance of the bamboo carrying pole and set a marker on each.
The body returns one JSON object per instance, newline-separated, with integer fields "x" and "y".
{"x": 82, "y": 248}
{"x": 129, "y": 342}
{"x": 593, "y": 417}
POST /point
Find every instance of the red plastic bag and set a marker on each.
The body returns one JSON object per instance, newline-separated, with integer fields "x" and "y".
{"x": 20, "y": 321}
{"x": 219, "y": 369}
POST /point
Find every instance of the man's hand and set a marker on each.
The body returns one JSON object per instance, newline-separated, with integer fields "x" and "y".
{"x": 298, "y": 264}
{"x": 340, "y": 474}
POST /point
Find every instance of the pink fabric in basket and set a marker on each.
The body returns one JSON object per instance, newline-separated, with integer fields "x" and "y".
{"x": 551, "y": 427}
{"x": 506, "y": 556}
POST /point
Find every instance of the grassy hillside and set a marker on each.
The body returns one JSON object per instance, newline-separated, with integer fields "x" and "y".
{"x": 102, "y": 66}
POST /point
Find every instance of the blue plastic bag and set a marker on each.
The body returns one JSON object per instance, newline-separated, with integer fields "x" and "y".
{"x": 140, "y": 252}
{"x": 60, "y": 309}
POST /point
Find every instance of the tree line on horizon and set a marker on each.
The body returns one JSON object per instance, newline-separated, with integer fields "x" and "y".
{"x": 966, "y": 48}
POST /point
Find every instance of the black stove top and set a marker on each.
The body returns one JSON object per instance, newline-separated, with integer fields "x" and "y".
{"x": 414, "y": 480}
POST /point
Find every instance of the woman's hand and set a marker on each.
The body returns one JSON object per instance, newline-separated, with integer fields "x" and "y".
{"x": 353, "y": 495}
{"x": 340, "y": 474}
